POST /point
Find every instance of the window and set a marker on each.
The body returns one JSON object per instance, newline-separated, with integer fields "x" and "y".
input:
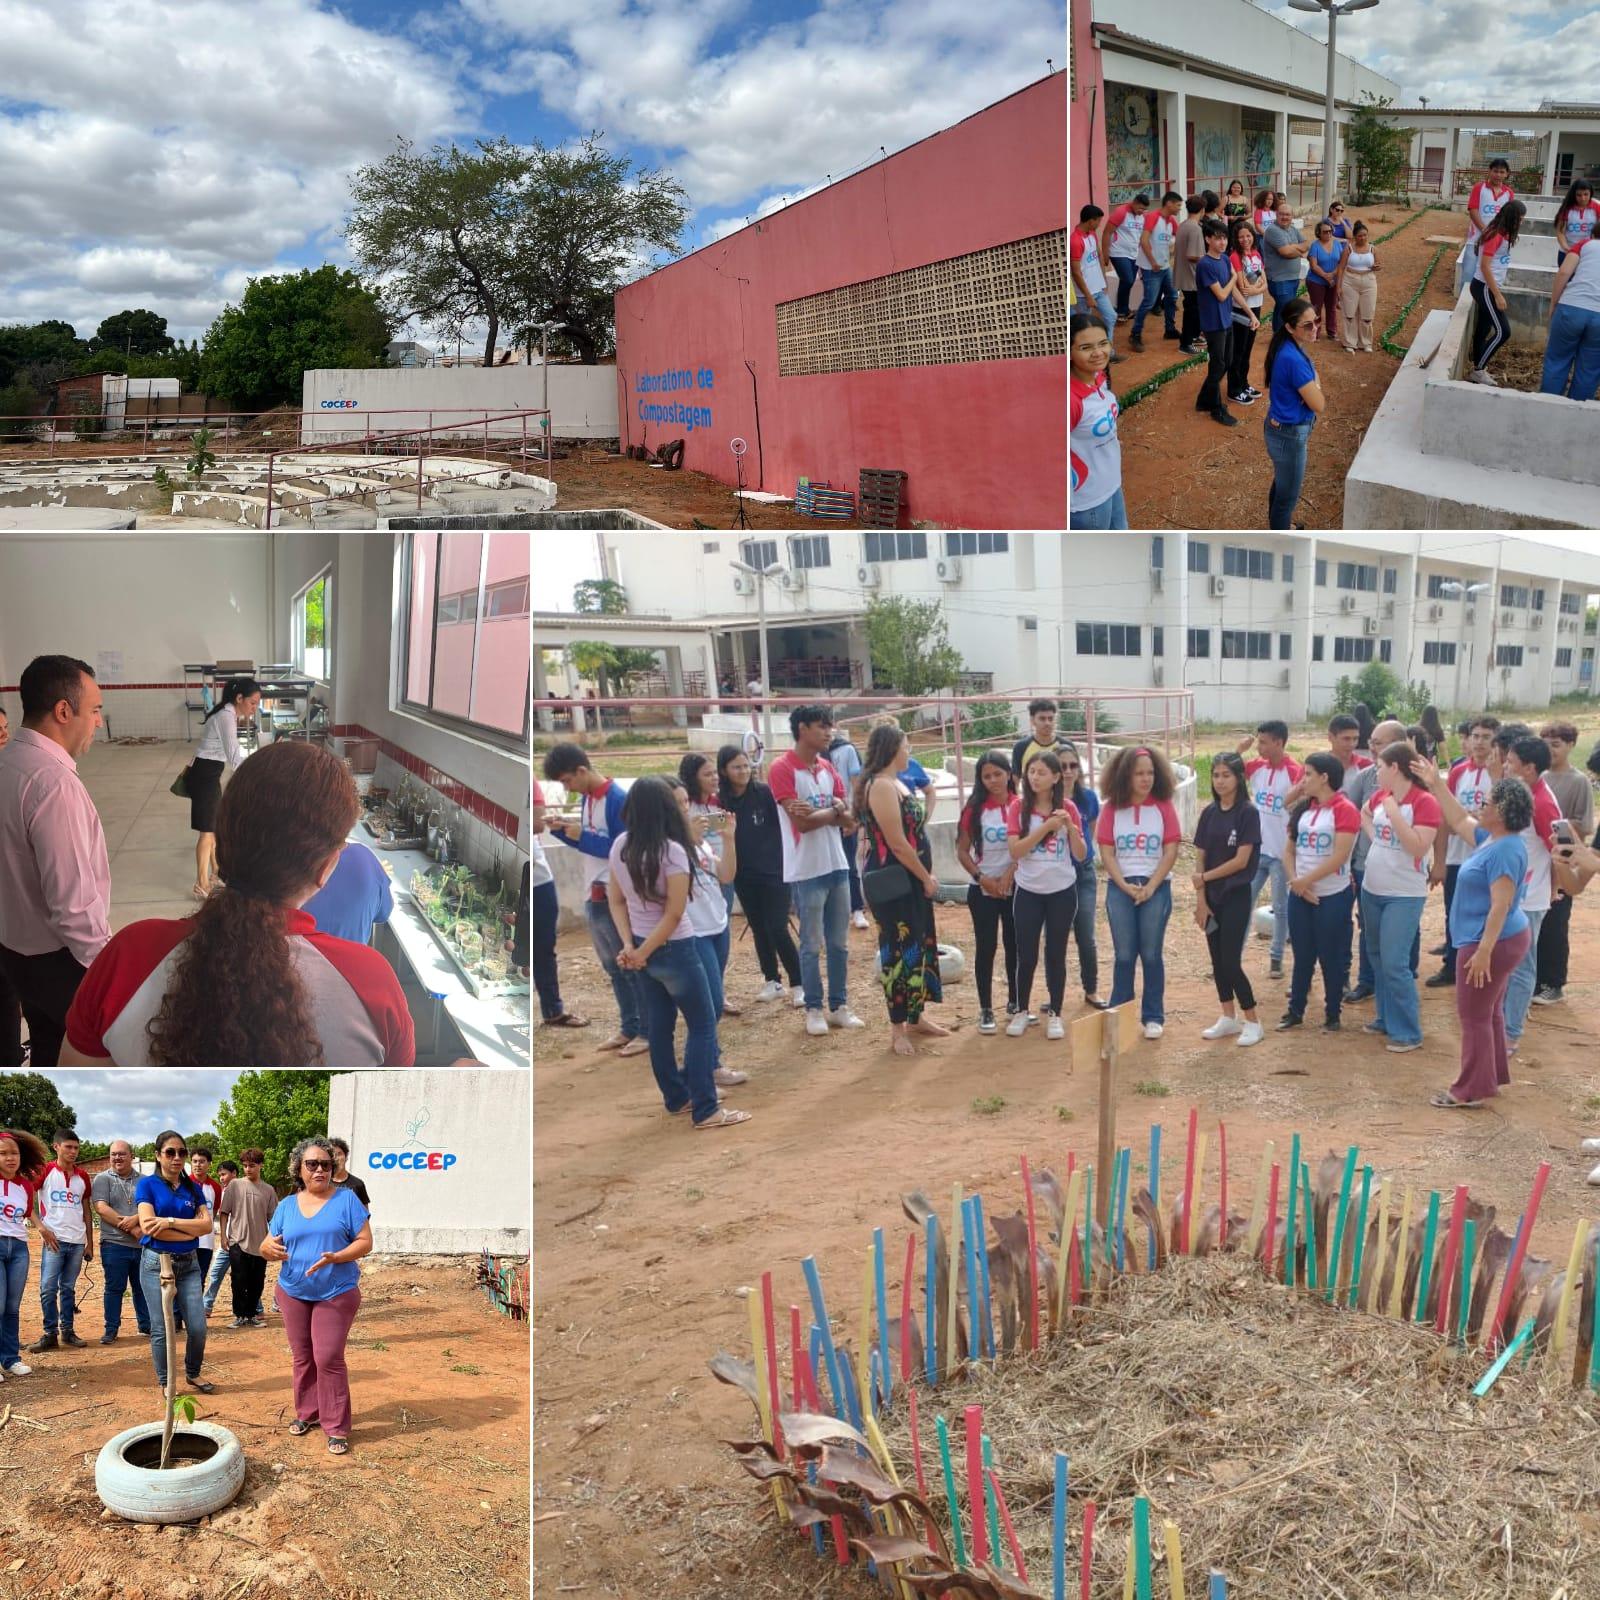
{"x": 1436, "y": 583}
{"x": 1391, "y": 576}
{"x": 759, "y": 553}
{"x": 908, "y": 544}
{"x": 1438, "y": 653}
{"x": 1513, "y": 594}
{"x": 1354, "y": 575}
{"x": 1288, "y": 569}
{"x": 1158, "y": 641}
{"x": 1240, "y": 645}
{"x": 969, "y": 543}
{"x": 308, "y": 627}
{"x": 807, "y": 551}
{"x": 1348, "y": 649}
{"x": 1322, "y": 574}
{"x": 1564, "y": 657}
{"x": 1285, "y": 646}
{"x": 1386, "y": 650}
{"x": 1158, "y": 550}
{"x": 467, "y": 648}
{"x": 1316, "y": 646}
{"x": 1238, "y": 562}
{"x": 1538, "y": 599}
{"x": 1108, "y": 639}
{"x": 1199, "y": 640}
{"x": 1199, "y": 555}
{"x": 1508, "y": 655}
{"x": 1571, "y": 605}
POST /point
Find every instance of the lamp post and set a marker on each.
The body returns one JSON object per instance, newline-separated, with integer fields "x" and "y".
{"x": 545, "y": 330}
{"x": 1470, "y": 593}
{"x": 761, "y": 574}
{"x": 1332, "y": 10}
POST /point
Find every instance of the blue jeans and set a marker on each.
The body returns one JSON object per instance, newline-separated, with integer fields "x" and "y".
{"x": 1390, "y": 924}
{"x": 1108, "y": 314}
{"x": 824, "y": 907}
{"x": 214, "y": 1279}
{"x": 190, "y": 1301}
{"x": 625, "y": 985}
{"x": 1083, "y": 931}
{"x": 1112, "y": 514}
{"x": 1127, "y": 271}
{"x": 545, "y": 908}
{"x": 119, "y": 1267}
{"x": 1286, "y": 448}
{"x": 1319, "y": 933}
{"x": 13, "y": 1280}
{"x": 58, "y": 1277}
{"x": 1158, "y": 290}
{"x": 1519, "y": 991}
{"x": 713, "y": 952}
{"x": 675, "y": 985}
{"x": 1137, "y": 937}
{"x": 1572, "y": 353}
{"x": 1272, "y": 867}
{"x": 1365, "y": 977}
{"x": 1282, "y": 291}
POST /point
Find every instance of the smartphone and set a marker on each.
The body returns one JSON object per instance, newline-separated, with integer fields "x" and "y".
{"x": 1563, "y": 831}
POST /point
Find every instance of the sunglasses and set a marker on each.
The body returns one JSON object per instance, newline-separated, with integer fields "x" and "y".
{"x": 174, "y": 1152}
{"x": 316, "y": 1166}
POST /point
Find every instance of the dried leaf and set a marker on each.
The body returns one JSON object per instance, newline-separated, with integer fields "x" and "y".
{"x": 740, "y": 1374}
{"x": 886, "y": 1548}
{"x": 803, "y": 1429}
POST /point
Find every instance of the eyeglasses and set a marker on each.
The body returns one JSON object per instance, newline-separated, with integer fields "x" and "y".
{"x": 316, "y": 1166}
{"x": 174, "y": 1152}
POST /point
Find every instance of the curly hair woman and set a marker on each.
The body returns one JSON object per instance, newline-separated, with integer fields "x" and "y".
{"x": 248, "y": 981}
{"x": 23, "y": 1159}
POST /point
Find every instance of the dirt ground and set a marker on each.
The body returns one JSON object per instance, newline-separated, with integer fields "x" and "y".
{"x": 1225, "y": 473}
{"x": 648, "y": 1233}
{"x": 436, "y": 1482}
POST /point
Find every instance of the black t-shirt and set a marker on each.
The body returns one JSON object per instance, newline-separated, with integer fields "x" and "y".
{"x": 755, "y": 833}
{"x": 1218, "y": 836}
{"x": 351, "y": 1182}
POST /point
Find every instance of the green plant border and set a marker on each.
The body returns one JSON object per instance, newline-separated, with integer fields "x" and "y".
{"x": 1386, "y": 338}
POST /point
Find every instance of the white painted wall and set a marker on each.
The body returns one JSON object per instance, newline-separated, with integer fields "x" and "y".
{"x": 583, "y": 400}
{"x": 483, "y": 1200}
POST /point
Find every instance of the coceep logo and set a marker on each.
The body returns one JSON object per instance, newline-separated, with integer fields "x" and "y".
{"x": 411, "y": 1160}
{"x": 339, "y": 405}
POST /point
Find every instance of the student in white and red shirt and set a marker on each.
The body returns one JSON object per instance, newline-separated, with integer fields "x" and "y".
{"x": 22, "y": 1160}
{"x": 1271, "y": 775}
{"x": 1470, "y": 779}
{"x": 1088, "y": 268}
{"x": 1119, "y": 244}
{"x": 62, "y": 1204}
{"x": 1402, "y": 820}
{"x": 1526, "y": 756}
{"x": 982, "y": 830}
{"x": 1576, "y": 218}
{"x": 1322, "y": 834}
{"x": 1156, "y": 239}
{"x": 1244, "y": 251}
{"x": 1138, "y": 835}
{"x": 1096, "y": 500}
{"x": 1045, "y": 840}
{"x": 199, "y": 1167}
{"x": 816, "y": 818}
{"x": 1492, "y": 327}
{"x": 1487, "y": 197}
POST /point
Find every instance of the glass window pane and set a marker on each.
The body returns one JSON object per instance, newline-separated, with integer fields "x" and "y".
{"x": 459, "y": 557}
{"x": 419, "y": 631}
{"x": 500, "y": 683}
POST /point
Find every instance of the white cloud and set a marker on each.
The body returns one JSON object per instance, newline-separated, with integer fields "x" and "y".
{"x": 136, "y": 1106}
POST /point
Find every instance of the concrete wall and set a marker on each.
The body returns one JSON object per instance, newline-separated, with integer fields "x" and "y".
{"x": 480, "y": 1200}
{"x": 583, "y": 400}
{"x": 983, "y": 442}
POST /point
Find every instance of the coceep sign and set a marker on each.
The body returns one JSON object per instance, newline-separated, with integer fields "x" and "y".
{"x": 411, "y": 1160}
{"x": 339, "y": 405}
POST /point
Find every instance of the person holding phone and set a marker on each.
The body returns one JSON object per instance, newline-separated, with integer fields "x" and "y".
{"x": 1045, "y": 840}
{"x": 316, "y": 1236}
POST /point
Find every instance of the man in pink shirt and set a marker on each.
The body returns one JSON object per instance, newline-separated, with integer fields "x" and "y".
{"x": 55, "y": 875}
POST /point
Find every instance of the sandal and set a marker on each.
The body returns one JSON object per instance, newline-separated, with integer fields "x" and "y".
{"x": 1445, "y": 1101}
{"x": 635, "y": 1047}
{"x": 338, "y": 1446}
{"x": 567, "y": 1019}
{"x": 729, "y": 1009}
{"x": 201, "y": 1387}
{"x": 723, "y": 1117}
{"x": 301, "y": 1426}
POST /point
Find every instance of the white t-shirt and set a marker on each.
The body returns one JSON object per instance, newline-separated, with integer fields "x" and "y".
{"x": 1390, "y": 870}
{"x": 993, "y": 829}
{"x": 1583, "y": 287}
{"x": 61, "y": 1198}
{"x": 16, "y": 1201}
{"x": 219, "y": 741}
{"x": 1139, "y": 835}
{"x": 1546, "y": 811}
{"x": 708, "y": 909}
{"x": 1470, "y": 785}
{"x": 1268, "y": 786}
{"x": 644, "y": 916}
{"x": 1126, "y": 226}
{"x": 704, "y": 808}
{"x": 1050, "y": 866}
{"x": 1314, "y": 841}
{"x": 212, "y": 1190}
{"x": 1086, "y": 252}
{"x": 821, "y": 851}
{"x": 1496, "y": 262}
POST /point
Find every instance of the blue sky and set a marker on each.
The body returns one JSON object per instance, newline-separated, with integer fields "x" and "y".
{"x": 156, "y": 163}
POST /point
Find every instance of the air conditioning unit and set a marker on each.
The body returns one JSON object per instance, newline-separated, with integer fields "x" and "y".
{"x": 869, "y": 575}
{"x": 1507, "y": 618}
{"x": 1158, "y": 673}
{"x": 1217, "y": 587}
{"x": 743, "y": 583}
{"x": 1370, "y": 625}
{"x": 1536, "y": 620}
{"x": 949, "y": 570}
{"x": 1435, "y": 613}
{"x": 793, "y": 580}
{"x": 1347, "y": 602}
{"x": 1283, "y": 679}
{"x": 1158, "y": 577}
{"x": 1388, "y": 608}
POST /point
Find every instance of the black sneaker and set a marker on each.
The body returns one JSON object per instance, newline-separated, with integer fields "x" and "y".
{"x": 1440, "y": 950}
{"x": 1173, "y": 335}
{"x": 1190, "y": 350}
{"x": 1547, "y": 996}
{"x": 986, "y": 1023}
{"x": 1276, "y": 969}
{"x": 1444, "y": 978}
{"x": 1247, "y": 398}
{"x": 108, "y": 1338}
{"x": 1135, "y": 343}
{"x": 45, "y": 1341}
{"x": 1289, "y": 1020}
{"x": 1332, "y": 1025}
{"x": 1362, "y": 991}
{"x": 69, "y": 1337}
{"x": 1226, "y": 418}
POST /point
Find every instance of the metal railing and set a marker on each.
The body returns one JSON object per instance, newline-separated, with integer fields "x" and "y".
{"x": 1156, "y": 184}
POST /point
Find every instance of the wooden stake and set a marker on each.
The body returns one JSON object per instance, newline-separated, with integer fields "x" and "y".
{"x": 1069, "y": 1234}
{"x": 1169, "y": 1531}
{"x": 1383, "y": 1243}
{"x": 1222, "y": 1157}
{"x": 1272, "y": 1222}
{"x": 1558, "y": 1332}
{"x": 1258, "y": 1199}
{"x": 1402, "y": 1249}
{"x": 1361, "y": 1236}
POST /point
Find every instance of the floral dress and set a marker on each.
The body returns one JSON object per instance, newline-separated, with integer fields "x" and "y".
{"x": 908, "y": 947}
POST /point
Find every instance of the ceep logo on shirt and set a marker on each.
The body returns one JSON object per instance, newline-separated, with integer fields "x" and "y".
{"x": 12, "y": 1212}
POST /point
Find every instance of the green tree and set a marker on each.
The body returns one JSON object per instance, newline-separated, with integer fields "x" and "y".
{"x": 273, "y": 1111}
{"x": 316, "y": 615}
{"x": 133, "y": 333}
{"x": 603, "y": 595}
{"x": 1384, "y": 693}
{"x": 30, "y": 1101}
{"x": 38, "y": 352}
{"x": 257, "y": 352}
{"x": 1376, "y": 150}
{"x": 909, "y": 645}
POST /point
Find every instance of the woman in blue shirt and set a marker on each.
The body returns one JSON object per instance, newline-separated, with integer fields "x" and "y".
{"x": 1297, "y": 402}
{"x": 1324, "y": 281}
{"x": 173, "y": 1219}
{"x": 317, "y": 1234}
{"x": 1488, "y": 928}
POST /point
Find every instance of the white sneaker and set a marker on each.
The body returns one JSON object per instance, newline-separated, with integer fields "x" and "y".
{"x": 1055, "y": 1028}
{"x": 1017, "y": 1026}
{"x": 1483, "y": 375}
{"x": 1594, "y": 1177}
{"x": 1590, "y": 1147}
{"x": 771, "y": 991}
{"x": 858, "y": 919}
{"x": 1223, "y": 1028}
{"x": 797, "y": 997}
{"x": 844, "y": 1017}
{"x": 1251, "y": 1033}
{"x": 816, "y": 1022}
{"x": 19, "y": 1369}
{"x": 1153, "y": 1030}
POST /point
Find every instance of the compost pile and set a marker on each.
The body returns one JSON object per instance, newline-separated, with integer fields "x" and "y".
{"x": 1302, "y": 1451}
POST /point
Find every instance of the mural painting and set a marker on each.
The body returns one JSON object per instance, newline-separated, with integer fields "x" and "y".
{"x": 1132, "y": 162}
{"x": 1260, "y": 159}
{"x": 1213, "y": 156}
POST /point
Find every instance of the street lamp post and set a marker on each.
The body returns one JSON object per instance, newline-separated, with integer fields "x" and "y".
{"x": 545, "y": 330}
{"x": 1332, "y": 10}
{"x": 761, "y": 574}
{"x": 1468, "y": 593}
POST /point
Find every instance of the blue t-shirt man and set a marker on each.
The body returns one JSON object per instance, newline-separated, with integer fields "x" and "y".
{"x": 1495, "y": 858}
{"x": 355, "y": 897}
{"x": 1213, "y": 273}
{"x": 184, "y": 1202}
{"x": 1291, "y": 370}
{"x": 307, "y": 1238}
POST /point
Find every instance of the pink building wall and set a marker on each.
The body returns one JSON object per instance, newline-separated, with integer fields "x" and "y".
{"x": 1086, "y": 183}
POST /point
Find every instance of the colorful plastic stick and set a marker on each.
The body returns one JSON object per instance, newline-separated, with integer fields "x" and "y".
{"x": 905, "y": 1307}
{"x": 916, "y": 1460}
{"x": 1574, "y": 1267}
{"x": 1155, "y": 1184}
{"x": 1258, "y": 1199}
{"x": 1127, "y": 1570}
{"x": 1594, "y": 1349}
{"x": 1124, "y": 1175}
{"x": 957, "y": 1235}
{"x": 1196, "y": 1189}
{"x": 844, "y": 1405}
{"x": 1383, "y": 1241}
{"x": 1222, "y": 1156}
{"x": 1291, "y": 1249}
{"x": 864, "y": 1343}
{"x": 1141, "y": 1549}
{"x": 1088, "y": 1231}
{"x": 974, "y": 1285}
{"x": 1067, "y": 1252}
{"x": 930, "y": 1306}
{"x": 883, "y": 1314}
{"x": 1169, "y": 1532}
{"x": 841, "y": 1547}
{"x": 1402, "y": 1245}
{"x": 1188, "y": 1179}
{"x": 1452, "y": 1256}
{"x": 1361, "y": 1234}
{"x": 1032, "y": 1320}
{"x": 765, "y": 1408}
{"x": 1058, "y": 1532}
{"x": 1469, "y": 1242}
{"x": 980, "y": 1533}
{"x": 1219, "y": 1587}
{"x": 989, "y": 1502}
{"x": 1272, "y": 1222}
{"x": 1425, "y": 1276}
{"x": 1086, "y": 1571}
{"x": 997, "y": 1498}
{"x": 1503, "y": 1360}
{"x": 1514, "y": 1266}
{"x": 953, "y": 1504}
{"x": 1338, "y": 1223}
{"x": 983, "y": 1267}
{"x": 795, "y": 1352}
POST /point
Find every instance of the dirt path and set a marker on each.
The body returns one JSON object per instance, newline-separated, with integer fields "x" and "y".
{"x": 647, "y": 1232}
{"x": 436, "y": 1483}
{"x": 1182, "y": 470}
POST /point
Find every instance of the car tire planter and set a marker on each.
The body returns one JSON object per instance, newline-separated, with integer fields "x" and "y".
{"x": 952, "y": 964}
{"x": 211, "y": 1476}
